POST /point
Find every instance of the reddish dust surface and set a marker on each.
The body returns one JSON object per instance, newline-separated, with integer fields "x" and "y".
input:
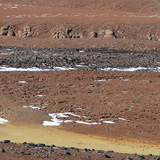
{"x": 131, "y": 96}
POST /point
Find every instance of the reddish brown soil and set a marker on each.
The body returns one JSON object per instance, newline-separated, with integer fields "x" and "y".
{"x": 131, "y": 32}
{"x": 132, "y": 96}
{"x": 123, "y": 95}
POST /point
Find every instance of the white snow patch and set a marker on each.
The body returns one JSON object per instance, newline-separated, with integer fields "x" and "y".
{"x": 79, "y": 65}
{"x": 61, "y": 115}
{"x": 125, "y": 80}
{"x": 13, "y": 7}
{"x": 84, "y": 117}
{"x": 32, "y": 106}
{"x": 11, "y": 69}
{"x": 40, "y": 96}
{"x": 51, "y": 123}
{"x": 23, "y": 82}
{"x": 34, "y": 69}
{"x": 71, "y": 114}
{"x": 131, "y": 69}
{"x": 68, "y": 121}
{"x": 101, "y": 80}
{"x": 87, "y": 123}
{"x": 109, "y": 122}
{"x": 62, "y": 69}
{"x": 2, "y": 121}
{"x": 57, "y": 122}
{"x": 4, "y": 54}
{"x": 80, "y": 109}
{"x": 123, "y": 119}
{"x": 81, "y": 51}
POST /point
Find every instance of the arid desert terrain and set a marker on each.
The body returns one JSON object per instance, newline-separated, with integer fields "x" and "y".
{"x": 79, "y": 79}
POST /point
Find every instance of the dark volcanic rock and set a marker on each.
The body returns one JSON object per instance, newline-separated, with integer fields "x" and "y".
{"x": 91, "y": 58}
{"x": 32, "y": 144}
{"x": 158, "y": 158}
{"x": 67, "y": 153}
{"x": 41, "y": 145}
{"x": 6, "y": 141}
{"x": 63, "y": 148}
{"x": 141, "y": 157}
{"x": 129, "y": 158}
{"x": 106, "y": 156}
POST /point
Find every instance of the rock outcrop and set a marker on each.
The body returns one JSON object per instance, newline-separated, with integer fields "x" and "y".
{"x": 66, "y": 33}
{"x": 7, "y": 31}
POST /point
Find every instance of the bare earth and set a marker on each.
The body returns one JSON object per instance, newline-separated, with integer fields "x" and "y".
{"x": 116, "y": 111}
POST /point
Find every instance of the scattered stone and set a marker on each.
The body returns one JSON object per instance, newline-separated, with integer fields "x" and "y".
{"x": 11, "y": 33}
{"x": 26, "y": 31}
{"x": 110, "y": 151}
{"x": 150, "y": 37}
{"x": 100, "y": 151}
{"x": 6, "y": 141}
{"x": 67, "y": 153}
{"x": 4, "y": 32}
{"x": 41, "y": 145}
{"x": 24, "y": 143}
{"x": 87, "y": 150}
{"x": 75, "y": 149}
{"x": 31, "y": 144}
{"x": 106, "y": 156}
{"x": 141, "y": 157}
{"x": 129, "y": 158}
{"x": 20, "y": 33}
{"x": 63, "y": 148}
{"x": 2, "y": 150}
{"x": 109, "y": 33}
{"x": 5, "y": 28}
{"x": 158, "y": 158}
{"x": 52, "y": 146}
{"x": 93, "y": 34}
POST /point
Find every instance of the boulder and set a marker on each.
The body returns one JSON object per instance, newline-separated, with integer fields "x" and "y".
{"x": 41, "y": 145}
{"x": 20, "y": 33}
{"x": 106, "y": 156}
{"x": 26, "y": 31}
{"x": 11, "y": 33}
{"x": 109, "y": 34}
{"x": 58, "y": 35}
{"x": 2, "y": 150}
{"x": 5, "y": 28}
{"x": 93, "y": 34}
{"x": 3, "y": 32}
{"x": 6, "y": 141}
